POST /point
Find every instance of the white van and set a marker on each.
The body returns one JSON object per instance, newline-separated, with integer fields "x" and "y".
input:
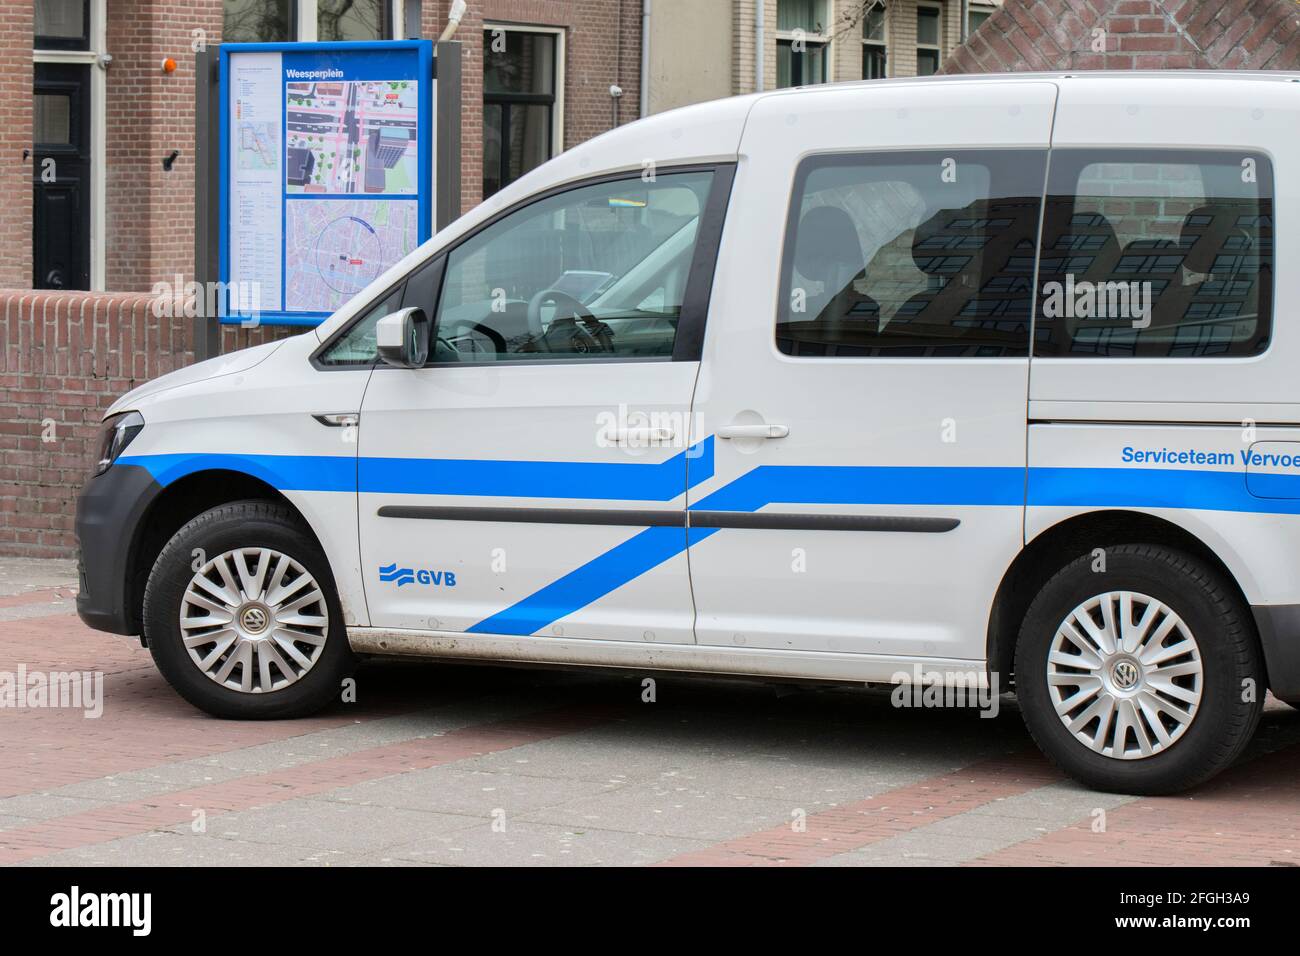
{"x": 901, "y": 380}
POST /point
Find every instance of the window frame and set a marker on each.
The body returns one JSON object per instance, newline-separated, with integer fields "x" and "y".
{"x": 555, "y": 101}
{"x": 985, "y": 13}
{"x": 688, "y": 345}
{"x": 81, "y": 44}
{"x": 785, "y": 275}
{"x": 1075, "y": 157}
{"x": 304, "y": 21}
{"x": 936, "y": 48}
{"x": 822, "y": 40}
{"x": 874, "y": 46}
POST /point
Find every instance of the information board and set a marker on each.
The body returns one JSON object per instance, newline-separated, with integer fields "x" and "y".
{"x": 326, "y": 172}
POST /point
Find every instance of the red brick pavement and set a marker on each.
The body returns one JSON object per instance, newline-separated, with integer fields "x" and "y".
{"x": 1249, "y": 816}
{"x": 144, "y": 722}
{"x": 259, "y": 790}
{"x": 894, "y": 812}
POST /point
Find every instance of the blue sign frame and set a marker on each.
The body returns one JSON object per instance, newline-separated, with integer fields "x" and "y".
{"x": 356, "y": 61}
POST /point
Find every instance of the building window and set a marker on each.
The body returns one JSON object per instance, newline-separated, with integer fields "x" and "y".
{"x": 927, "y": 39}
{"x": 874, "y": 49}
{"x": 280, "y": 21}
{"x": 801, "y": 43}
{"x": 62, "y": 25}
{"x": 974, "y": 18}
{"x": 257, "y": 21}
{"x": 352, "y": 19}
{"x": 521, "y": 86}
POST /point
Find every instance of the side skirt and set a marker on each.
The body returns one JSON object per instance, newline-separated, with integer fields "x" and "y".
{"x": 694, "y": 658}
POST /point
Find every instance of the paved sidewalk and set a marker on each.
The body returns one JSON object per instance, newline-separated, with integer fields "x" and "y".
{"x": 458, "y": 765}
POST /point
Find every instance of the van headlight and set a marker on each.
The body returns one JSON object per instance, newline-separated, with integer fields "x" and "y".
{"x": 114, "y": 435}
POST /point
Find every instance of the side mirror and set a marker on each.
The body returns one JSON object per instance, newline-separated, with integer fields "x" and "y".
{"x": 402, "y": 338}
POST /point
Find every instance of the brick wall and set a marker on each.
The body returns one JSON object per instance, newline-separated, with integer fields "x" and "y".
{"x": 66, "y": 356}
{"x": 1134, "y": 34}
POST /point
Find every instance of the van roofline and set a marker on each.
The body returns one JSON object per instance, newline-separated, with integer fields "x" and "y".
{"x": 1279, "y": 76}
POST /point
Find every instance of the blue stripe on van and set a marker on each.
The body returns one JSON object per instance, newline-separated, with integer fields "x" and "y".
{"x": 617, "y": 481}
{"x": 608, "y": 481}
{"x": 285, "y": 472}
{"x": 1152, "y": 488}
{"x": 752, "y": 491}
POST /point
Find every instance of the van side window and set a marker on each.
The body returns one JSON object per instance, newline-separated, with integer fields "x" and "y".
{"x": 925, "y": 253}
{"x": 595, "y": 272}
{"x": 1156, "y": 253}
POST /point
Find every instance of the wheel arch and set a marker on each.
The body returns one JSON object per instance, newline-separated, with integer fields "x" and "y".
{"x": 1066, "y": 540}
{"x": 178, "y": 503}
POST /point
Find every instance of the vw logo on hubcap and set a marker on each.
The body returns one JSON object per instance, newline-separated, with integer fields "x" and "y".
{"x": 1125, "y": 674}
{"x": 253, "y": 620}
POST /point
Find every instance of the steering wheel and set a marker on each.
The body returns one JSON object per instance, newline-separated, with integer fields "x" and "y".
{"x": 592, "y": 335}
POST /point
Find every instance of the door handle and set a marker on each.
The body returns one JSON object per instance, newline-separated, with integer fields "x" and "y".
{"x": 753, "y": 431}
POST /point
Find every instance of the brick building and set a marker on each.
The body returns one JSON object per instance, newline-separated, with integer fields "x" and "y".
{"x": 111, "y": 215}
{"x": 705, "y": 49}
{"x": 1135, "y": 35}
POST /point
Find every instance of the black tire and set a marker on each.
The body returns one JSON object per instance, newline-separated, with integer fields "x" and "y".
{"x": 1221, "y": 626}
{"x": 242, "y": 524}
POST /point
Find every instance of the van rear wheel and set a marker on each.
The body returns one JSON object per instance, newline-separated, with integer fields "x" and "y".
{"x": 1139, "y": 673}
{"x": 241, "y": 615}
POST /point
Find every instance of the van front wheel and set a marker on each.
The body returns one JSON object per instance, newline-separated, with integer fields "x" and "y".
{"x": 241, "y": 615}
{"x": 1138, "y": 672}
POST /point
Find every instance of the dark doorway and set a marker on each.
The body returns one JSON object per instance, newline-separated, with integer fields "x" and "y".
{"x": 61, "y": 172}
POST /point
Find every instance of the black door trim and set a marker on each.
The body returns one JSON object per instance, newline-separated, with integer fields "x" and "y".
{"x": 775, "y": 521}
{"x": 598, "y": 516}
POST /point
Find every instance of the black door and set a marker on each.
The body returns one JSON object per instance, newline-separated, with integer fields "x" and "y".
{"x": 61, "y": 167}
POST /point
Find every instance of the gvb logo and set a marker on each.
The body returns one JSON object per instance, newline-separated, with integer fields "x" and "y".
{"x": 392, "y": 574}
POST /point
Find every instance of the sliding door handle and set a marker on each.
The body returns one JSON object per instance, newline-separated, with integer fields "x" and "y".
{"x": 753, "y": 431}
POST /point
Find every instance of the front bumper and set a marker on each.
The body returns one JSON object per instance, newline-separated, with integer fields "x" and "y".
{"x": 109, "y": 515}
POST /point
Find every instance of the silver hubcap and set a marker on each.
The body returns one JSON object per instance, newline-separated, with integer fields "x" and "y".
{"x": 1124, "y": 674}
{"x": 254, "y": 620}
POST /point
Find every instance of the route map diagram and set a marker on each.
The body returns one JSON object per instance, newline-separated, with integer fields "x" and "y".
{"x": 335, "y": 247}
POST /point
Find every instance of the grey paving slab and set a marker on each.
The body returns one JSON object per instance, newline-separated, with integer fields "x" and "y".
{"x": 19, "y": 575}
{"x": 676, "y": 812}
{"x": 329, "y": 825}
{"x": 536, "y": 844}
{"x": 46, "y": 806}
{"x": 164, "y": 848}
{"x": 478, "y": 793}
